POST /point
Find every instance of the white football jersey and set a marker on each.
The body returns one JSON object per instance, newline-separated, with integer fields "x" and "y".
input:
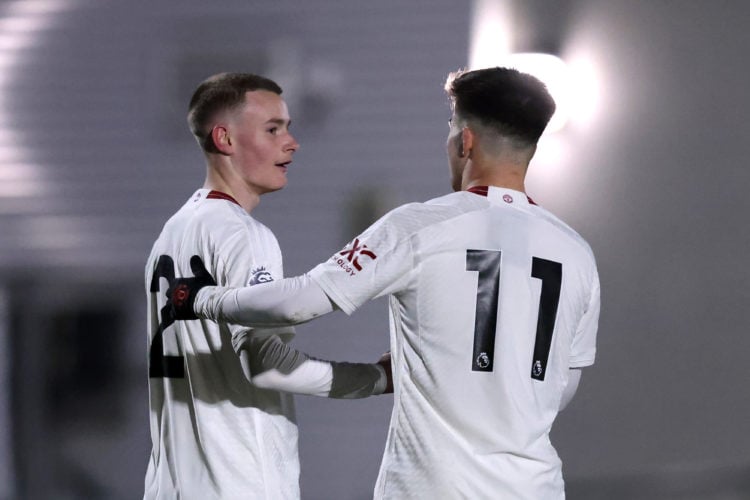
{"x": 214, "y": 435}
{"x": 492, "y": 301}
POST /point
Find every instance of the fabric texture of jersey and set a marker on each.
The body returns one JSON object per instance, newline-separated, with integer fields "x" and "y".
{"x": 214, "y": 435}
{"x": 492, "y": 301}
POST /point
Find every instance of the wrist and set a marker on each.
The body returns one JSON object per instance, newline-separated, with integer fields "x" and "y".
{"x": 381, "y": 384}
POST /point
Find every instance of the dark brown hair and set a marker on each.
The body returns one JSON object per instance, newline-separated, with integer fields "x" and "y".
{"x": 514, "y": 104}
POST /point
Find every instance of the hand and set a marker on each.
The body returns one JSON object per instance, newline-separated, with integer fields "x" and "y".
{"x": 385, "y": 362}
{"x": 182, "y": 291}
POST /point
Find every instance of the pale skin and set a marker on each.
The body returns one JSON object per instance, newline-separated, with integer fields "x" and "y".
{"x": 254, "y": 146}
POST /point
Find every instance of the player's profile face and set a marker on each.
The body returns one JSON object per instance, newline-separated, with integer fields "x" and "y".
{"x": 262, "y": 143}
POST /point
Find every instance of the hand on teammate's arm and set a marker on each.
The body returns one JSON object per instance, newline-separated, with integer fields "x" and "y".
{"x": 359, "y": 380}
{"x": 267, "y": 361}
{"x": 270, "y": 363}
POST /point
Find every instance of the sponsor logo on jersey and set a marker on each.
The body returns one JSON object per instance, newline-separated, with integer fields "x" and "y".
{"x": 260, "y": 275}
{"x": 349, "y": 258}
{"x": 507, "y": 198}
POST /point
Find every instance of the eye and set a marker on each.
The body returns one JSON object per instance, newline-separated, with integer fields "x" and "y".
{"x": 273, "y": 130}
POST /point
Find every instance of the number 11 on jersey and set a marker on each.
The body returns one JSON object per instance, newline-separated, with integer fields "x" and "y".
{"x": 488, "y": 264}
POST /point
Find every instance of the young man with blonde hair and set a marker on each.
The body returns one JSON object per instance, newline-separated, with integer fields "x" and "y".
{"x": 220, "y": 428}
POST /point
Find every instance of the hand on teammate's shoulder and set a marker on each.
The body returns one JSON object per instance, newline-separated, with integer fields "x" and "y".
{"x": 184, "y": 290}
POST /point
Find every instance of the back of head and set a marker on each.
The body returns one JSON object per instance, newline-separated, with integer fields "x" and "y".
{"x": 510, "y": 103}
{"x": 218, "y": 93}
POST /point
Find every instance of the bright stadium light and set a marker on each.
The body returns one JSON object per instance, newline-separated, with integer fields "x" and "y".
{"x": 490, "y": 33}
{"x": 490, "y": 45}
{"x": 496, "y": 28}
{"x": 553, "y": 72}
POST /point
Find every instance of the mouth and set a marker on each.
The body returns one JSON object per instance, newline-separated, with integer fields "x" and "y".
{"x": 284, "y": 164}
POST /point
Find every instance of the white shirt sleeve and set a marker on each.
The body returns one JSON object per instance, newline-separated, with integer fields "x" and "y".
{"x": 574, "y": 378}
{"x": 270, "y": 363}
{"x": 249, "y": 257}
{"x": 583, "y": 349}
{"x": 285, "y": 302}
{"x": 378, "y": 262}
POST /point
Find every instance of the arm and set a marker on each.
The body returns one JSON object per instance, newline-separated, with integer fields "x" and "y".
{"x": 289, "y": 301}
{"x": 266, "y": 360}
{"x": 270, "y": 363}
{"x": 378, "y": 262}
{"x": 570, "y": 389}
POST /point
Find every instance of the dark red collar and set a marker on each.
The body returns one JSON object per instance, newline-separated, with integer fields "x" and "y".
{"x": 218, "y": 195}
{"x": 483, "y": 190}
{"x": 480, "y": 190}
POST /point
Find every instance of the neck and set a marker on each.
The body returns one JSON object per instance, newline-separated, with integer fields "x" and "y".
{"x": 509, "y": 176}
{"x": 221, "y": 179}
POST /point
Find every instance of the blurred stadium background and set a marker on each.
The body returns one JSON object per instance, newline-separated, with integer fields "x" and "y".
{"x": 95, "y": 156}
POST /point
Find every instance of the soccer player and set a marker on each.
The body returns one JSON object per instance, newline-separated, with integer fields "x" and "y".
{"x": 494, "y": 306}
{"x": 215, "y": 434}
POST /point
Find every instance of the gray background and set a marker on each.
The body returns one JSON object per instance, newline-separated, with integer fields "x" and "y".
{"x": 95, "y": 156}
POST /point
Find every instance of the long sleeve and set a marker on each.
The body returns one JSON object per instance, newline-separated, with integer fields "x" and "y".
{"x": 289, "y": 301}
{"x": 270, "y": 363}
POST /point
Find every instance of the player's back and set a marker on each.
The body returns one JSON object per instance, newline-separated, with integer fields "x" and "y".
{"x": 214, "y": 435}
{"x": 486, "y": 328}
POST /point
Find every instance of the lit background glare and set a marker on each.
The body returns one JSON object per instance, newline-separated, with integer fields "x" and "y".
{"x": 572, "y": 82}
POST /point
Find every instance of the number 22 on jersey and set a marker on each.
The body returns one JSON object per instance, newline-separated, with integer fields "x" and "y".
{"x": 179, "y": 298}
{"x": 487, "y": 263}
{"x": 160, "y": 365}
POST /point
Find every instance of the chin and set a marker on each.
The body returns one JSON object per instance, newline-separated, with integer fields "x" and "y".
{"x": 270, "y": 188}
{"x": 278, "y": 185}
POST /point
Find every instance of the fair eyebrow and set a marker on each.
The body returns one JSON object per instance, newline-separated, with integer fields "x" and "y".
{"x": 279, "y": 121}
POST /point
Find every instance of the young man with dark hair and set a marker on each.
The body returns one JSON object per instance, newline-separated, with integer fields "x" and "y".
{"x": 494, "y": 307}
{"x": 220, "y": 428}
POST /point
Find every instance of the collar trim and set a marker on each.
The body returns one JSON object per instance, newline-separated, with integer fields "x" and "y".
{"x": 484, "y": 190}
{"x": 218, "y": 195}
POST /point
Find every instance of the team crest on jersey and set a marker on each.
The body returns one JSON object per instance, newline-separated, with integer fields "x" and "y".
{"x": 260, "y": 275}
{"x": 353, "y": 257}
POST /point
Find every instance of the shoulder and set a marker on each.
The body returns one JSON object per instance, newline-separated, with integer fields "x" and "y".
{"x": 566, "y": 230}
{"x": 413, "y": 217}
{"x": 214, "y": 227}
{"x": 223, "y": 220}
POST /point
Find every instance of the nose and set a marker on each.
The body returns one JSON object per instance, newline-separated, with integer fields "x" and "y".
{"x": 293, "y": 144}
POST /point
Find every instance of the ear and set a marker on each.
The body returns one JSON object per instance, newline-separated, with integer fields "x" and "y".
{"x": 222, "y": 140}
{"x": 467, "y": 142}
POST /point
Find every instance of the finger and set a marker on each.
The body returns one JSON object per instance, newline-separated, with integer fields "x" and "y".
{"x": 199, "y": 269}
